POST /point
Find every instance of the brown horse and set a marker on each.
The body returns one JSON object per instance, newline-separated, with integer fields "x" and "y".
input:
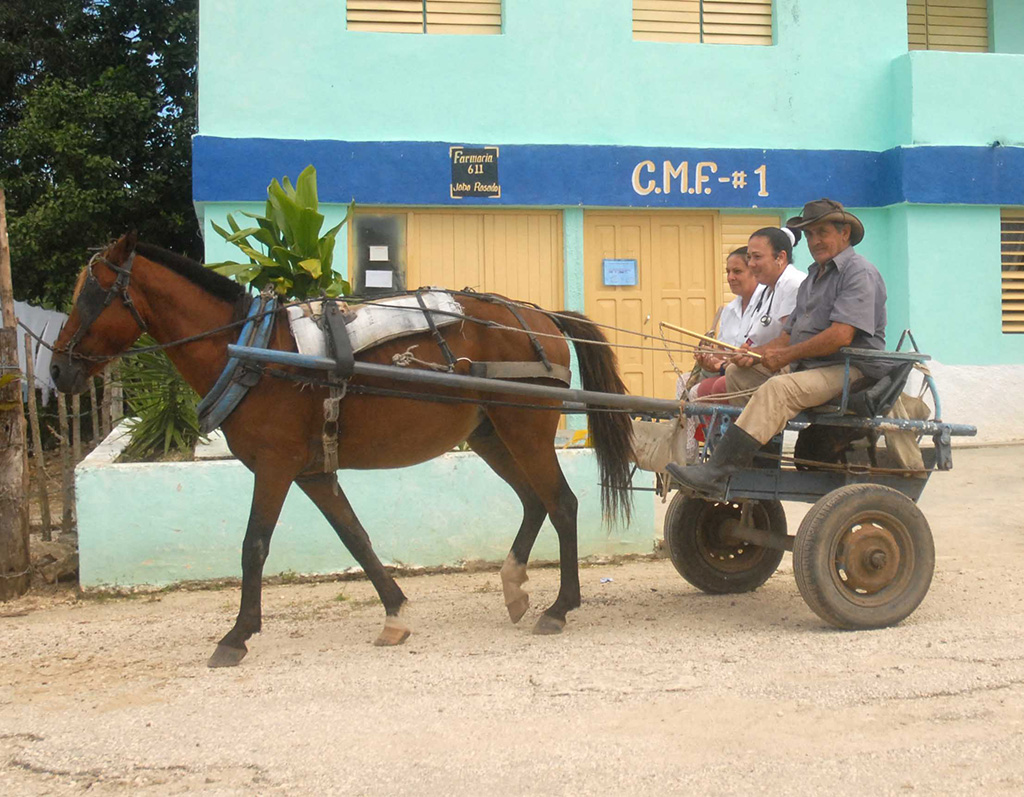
{"x": 276, "y": 430}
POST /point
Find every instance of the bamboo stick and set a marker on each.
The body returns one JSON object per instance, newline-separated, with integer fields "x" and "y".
{"x": 706, "y": 339}
{"x": 66, "y": 468}
{"x": 37, "y": 440}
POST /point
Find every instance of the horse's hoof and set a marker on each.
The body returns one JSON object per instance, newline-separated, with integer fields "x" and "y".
{"x": 225, "y": 656}
{"x": 517, "y": 608}
{"x": 395, "y": 632}
{"x": 548, "y": 625}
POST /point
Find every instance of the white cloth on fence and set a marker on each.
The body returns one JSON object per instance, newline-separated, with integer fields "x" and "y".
{"x": 46, "y": 324}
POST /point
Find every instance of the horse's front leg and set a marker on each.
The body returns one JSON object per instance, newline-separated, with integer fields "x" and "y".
{"x": 324, "y": 491}
{"x": 267, "y": 499}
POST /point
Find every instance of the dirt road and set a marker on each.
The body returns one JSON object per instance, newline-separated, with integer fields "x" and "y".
{"x": 654, "y": 688}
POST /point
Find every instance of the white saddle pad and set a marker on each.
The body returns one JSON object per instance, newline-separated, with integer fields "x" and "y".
{"x": 372, "y": 324}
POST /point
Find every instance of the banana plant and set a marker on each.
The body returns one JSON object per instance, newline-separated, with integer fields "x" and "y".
{"x": 285, "y": 248}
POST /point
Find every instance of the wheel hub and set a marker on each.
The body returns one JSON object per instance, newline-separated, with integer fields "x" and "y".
{"x": 869, "y": 557}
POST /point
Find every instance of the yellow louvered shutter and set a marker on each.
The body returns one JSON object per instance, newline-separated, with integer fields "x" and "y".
{"x": 424, "y": 16}
{"x": 385, "y": 16}
{"x": 666, "y": 20}
{"x": 736, "y": 21}
{"x": 736, "y": 229}
{"x": 464, "y": 16}
{"x": 957, "y": 25}
{"x": 1012, "y": 246}
{"x": 709, "y": 21}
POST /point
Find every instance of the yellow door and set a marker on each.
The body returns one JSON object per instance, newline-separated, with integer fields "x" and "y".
{"x": 517, "y": 254}
{"x": 677, "y": 281}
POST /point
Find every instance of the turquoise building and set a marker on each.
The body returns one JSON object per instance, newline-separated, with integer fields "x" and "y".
{"x": 604, "y": 155}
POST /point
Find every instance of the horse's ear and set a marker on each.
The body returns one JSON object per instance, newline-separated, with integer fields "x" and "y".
{"x": 130, "y": 240}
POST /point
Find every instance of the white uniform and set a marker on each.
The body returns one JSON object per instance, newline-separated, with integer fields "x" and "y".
{"x": 736, "y": 321}
{"x": 770, "y": 306}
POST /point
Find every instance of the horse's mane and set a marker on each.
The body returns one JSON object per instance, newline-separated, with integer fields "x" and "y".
{"x": 210, "y": 281}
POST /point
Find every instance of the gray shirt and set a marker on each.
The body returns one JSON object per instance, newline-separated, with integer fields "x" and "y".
{"x": 851, "y": 291}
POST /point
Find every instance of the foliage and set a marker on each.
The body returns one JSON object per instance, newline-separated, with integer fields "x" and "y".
{"x": 289, "y": 252}
{"x": 163, "y": 404}
{"x": 97, "y": 110}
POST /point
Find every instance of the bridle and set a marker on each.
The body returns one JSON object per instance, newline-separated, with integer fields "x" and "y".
{"x": 94, "y": 298}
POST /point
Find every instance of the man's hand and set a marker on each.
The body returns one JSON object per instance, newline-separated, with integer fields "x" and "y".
{"x": 744, "y": 360}
{"x": 776, "y": 359}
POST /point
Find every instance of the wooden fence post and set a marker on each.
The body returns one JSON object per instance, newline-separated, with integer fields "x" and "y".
{"x": 76, "y": 427}
{"x": 15, "y": 569}
{"x": 116, "y": 394}
{"x": 94, "y": 413}
{"x": 105, "y": 402}
{"x": 37, "y": 439}
{"x": 66, "y": 468}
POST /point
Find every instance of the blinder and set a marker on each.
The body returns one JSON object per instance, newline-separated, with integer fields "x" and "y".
{"x": 94, "y": 298}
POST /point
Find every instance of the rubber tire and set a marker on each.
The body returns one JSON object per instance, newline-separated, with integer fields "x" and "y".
{"x": 686, "y": 542}
{"x": 815, "y": 547}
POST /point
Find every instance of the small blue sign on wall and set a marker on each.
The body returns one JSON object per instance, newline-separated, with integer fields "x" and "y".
{"x": 619, "y": 272}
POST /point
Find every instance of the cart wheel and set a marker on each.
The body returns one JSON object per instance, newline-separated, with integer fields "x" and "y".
{"x": 699, "y": 535}
{"x": 864, "y": 557}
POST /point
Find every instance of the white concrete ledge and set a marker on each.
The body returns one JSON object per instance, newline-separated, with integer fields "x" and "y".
{"x": 155, "y": 524}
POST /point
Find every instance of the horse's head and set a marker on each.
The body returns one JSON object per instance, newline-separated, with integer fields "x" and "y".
{"x": 104, "y": 321}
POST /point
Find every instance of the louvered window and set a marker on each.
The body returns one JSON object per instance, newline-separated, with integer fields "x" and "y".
{"x": 424, "y": 16}
{"x": 708, "y": 21}
{"x": 1012, "y": 246}
{"x": 960, "y": 25}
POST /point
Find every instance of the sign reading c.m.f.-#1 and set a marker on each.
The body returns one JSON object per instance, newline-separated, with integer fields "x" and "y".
{"x": 421, "y": 173}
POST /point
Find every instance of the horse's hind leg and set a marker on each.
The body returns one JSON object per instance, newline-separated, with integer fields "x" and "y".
{"x": 529, "y": 437}
{"x": 323, "y": 491}
{"x": 267, "y": 499}
{"x": 486, "y": 443}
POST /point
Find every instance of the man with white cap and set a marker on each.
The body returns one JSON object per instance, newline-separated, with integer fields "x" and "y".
{"x": 841, "y": 303}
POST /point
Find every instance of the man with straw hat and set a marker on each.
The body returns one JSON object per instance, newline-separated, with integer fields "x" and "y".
{"x": 841, "y": 303}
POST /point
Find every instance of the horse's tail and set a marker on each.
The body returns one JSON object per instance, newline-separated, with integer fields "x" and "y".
{"x": 611, "y": 432}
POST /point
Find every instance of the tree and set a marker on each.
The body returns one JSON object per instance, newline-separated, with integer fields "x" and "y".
{"x": 97, "y": 111}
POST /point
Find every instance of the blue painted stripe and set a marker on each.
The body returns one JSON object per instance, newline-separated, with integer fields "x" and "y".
{"x": 419, "y": 173}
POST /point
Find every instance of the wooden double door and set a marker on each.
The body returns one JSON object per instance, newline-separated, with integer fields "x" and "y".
{"x": 678, "y": 280}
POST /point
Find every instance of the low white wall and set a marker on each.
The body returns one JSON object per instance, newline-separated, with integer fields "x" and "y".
{"x": 990, "y": 397}
{"x": 161, "y": 523}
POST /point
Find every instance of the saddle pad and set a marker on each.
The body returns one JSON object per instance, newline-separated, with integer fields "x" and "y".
{"x": 372, "y": 324}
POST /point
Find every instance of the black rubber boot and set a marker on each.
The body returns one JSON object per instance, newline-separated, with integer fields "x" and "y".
{"x": 734, "y": 452}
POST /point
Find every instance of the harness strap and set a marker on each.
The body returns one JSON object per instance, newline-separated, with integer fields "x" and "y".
{"x": 511, "y": 307}
{"x": 234, "y": 381}
{"x": 438, "y": 337}
{"x": 521, "y": 370}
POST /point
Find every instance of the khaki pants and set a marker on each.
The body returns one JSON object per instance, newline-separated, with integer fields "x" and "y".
{"x": 781, "y": 396}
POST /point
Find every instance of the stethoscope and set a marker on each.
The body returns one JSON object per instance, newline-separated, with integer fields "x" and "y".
{"x": 766, "y": 319}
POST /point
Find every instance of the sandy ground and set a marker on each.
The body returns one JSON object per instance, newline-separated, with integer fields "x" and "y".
{"x": 654, "y": 687}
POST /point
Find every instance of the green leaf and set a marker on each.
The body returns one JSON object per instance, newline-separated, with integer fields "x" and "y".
{"x": 305, "y": 189}
{"x": 240, "y": 235}
{"x": 220, "y": 230}
{"x": 229, "y": 269}
{"x": 258, "y": 257}
{"x": 325, "y": 248}
{"x": 339, "y": 287}
{"x": 232, "y": 223}
{"x": 311, "y": 266}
